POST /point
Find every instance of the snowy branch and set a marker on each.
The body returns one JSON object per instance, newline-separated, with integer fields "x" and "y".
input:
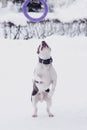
{"x": 43, "y": 29}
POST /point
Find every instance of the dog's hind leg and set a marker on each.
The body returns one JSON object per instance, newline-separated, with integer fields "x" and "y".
{"x": 34, "y": 99}
{"x": 49, "y": 102}
{"x": 35, "y": 111}
{"x": 34, "y": 102}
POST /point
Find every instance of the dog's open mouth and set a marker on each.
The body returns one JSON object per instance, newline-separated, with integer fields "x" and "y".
{"x": 44, "y": 45}
{"x": 44, "y": 50}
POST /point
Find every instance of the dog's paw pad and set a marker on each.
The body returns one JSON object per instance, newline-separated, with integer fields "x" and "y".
{"x": 34, "y": 116}
{"x": 51, "y": 115}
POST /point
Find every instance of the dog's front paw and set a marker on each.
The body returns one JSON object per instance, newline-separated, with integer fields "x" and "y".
{"x": 34, "y": 115}
{"x": 51, "y": 115}
{"x": 50, "y": 94}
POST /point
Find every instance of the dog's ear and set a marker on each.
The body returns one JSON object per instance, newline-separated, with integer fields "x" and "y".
{"x": 38, "y": 50}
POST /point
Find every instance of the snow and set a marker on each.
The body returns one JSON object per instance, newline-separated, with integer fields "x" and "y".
{"x": 17, "y": 61}
{"x": 72, "y": 21}
{"x": 76, "y": 10}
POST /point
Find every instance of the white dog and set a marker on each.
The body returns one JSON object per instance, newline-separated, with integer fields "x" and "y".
{"x": 45, "y": 78}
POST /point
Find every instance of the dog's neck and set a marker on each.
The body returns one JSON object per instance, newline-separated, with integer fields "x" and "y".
{"x": 45, "y": 61}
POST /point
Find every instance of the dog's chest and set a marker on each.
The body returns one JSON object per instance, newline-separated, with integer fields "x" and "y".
{"x": 44, "y": 73}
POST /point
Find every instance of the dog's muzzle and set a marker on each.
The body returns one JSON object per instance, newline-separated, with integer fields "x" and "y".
{"x": 38, "y": 82}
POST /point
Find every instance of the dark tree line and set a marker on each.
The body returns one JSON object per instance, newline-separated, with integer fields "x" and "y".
{"x": 43, "y": 29}
{"x": 33, "y": 6}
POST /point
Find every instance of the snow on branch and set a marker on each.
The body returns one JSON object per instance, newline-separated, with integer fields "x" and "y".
{"x": 9, "y": 30}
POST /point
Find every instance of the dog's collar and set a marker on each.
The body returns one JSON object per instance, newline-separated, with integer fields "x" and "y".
{"x": 47, "y": 61}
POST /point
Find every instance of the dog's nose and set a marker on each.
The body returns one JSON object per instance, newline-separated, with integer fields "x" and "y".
{"x": 44, "y": 44}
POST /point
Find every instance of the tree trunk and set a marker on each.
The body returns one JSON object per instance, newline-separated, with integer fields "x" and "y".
{"x": 4, "y": 3}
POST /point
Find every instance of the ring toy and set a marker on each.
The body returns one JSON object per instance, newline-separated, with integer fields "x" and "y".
{"x": 31, "y": 18}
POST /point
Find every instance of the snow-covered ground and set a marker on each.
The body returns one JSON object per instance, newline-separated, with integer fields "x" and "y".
{"x": 17, "y": 61}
